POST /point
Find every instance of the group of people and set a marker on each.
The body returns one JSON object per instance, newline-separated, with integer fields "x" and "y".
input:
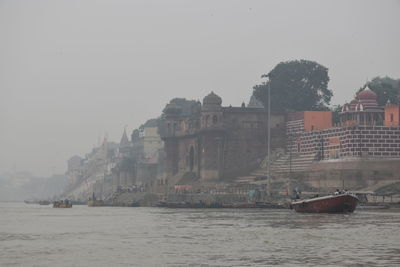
{"x": 340, "y": 192}
{"x": 66, "y": 201}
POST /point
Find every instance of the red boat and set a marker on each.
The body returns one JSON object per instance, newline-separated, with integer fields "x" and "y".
{"x": 327, "y": 204}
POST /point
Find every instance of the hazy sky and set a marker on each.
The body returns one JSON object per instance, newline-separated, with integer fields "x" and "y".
{"x": 71, "y": 71}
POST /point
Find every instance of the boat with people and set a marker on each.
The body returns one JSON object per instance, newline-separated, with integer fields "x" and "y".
{"x": 339, "y": 202}
{"x": 94, "y": 202}
{"x": 62, "y": 204}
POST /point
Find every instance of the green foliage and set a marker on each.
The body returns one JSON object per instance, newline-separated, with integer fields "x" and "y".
{"x": 150, "y": 123}
{"x": 296, "y": 85}
{"x": 135, "y": 135}
{"x": 187, "y": 107}
{"x": 386, "y": 89}
{"x": 335, "y": 113}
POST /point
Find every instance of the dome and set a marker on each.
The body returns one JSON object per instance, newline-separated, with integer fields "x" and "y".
{"x": 352, "y": 105}
{"x": 367, "y": 93}
{"x": 212, "y": 99}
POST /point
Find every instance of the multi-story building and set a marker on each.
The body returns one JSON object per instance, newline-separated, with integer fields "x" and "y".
{"x": 212, "y": 142}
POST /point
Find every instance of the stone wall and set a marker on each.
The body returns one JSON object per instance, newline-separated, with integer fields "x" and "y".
{"x": 354, "y": 174}
{"x": 351, "y": 141}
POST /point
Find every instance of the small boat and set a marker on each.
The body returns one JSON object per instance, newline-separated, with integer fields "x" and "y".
{"x": 95, "y": 203}
{"x": 62, "y": 204}
{"x": 44, "y": 202}
{"x": 338, "y": 203}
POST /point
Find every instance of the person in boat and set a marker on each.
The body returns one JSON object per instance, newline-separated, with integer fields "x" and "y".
{"x": 297, "y": 193}
{"x": 337, "y": 192}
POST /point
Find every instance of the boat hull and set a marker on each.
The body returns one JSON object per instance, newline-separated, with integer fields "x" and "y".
{"x": 95, "y": 203}
{"x": 329, "y": 204}
{"x": 62, "y": 205}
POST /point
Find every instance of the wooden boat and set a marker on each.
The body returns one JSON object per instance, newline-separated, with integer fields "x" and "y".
{"x": 95, "y": 203}
{"x": 338, "y": 203}
{"x": 62, "y": 204}
{"x": 44, "y": 202}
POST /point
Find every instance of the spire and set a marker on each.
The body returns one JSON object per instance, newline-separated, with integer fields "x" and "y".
{"x": 124, "y": 140}
{"x": 254, "y": 103}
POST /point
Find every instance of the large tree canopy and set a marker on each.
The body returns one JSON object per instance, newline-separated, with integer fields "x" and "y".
{"x": 386, "y": 89}
{"x": 296, "y": 85}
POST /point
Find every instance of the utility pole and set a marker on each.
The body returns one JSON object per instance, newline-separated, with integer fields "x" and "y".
{"x": 322, "y": 148}
{"x": 290, "y": 155}
{"x": 269, "y": 138}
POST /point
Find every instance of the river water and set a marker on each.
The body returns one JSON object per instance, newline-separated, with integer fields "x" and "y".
{"x": 33, "y": 235}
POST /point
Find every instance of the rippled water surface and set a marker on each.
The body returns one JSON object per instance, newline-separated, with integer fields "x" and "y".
{"x": 33, "y": 235}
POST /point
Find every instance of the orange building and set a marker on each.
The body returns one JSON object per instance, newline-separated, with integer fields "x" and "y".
{"x": 392, "y": 115}
{"x": 317, "y": 120}
{"x": 308, "y": 121}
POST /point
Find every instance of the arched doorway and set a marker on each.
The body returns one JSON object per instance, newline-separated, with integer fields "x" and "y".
{"x": 191, "y": 158}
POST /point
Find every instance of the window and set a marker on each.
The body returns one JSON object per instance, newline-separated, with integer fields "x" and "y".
{"x": 215, "y": 119}
{"x": 391, "y": 117}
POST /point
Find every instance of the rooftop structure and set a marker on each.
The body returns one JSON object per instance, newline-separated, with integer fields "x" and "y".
{"x": 363, "y": 110}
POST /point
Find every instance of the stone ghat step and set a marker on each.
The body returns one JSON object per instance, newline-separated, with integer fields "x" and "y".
{"x": 300, "y": 165}
{"x": 246, "y": 177}
{"x": 296, "y": 163}
{"x": 293, "y": 162}
{"x": 288, "y": 170}
{"x": 294, "y": 167}
{"x": 301, "y": 158}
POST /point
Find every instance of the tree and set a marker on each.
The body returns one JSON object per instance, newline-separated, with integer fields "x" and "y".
{"x": 296, "y": 85}
{"x": 385, "y": 88}
{"x": 335, "y": 113}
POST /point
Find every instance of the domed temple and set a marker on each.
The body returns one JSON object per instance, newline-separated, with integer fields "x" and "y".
{"x": 363, "y": 110}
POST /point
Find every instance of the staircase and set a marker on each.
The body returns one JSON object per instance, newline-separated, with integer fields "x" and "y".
{"x": 281, "y": 165}
{"x": 293, "y": 163}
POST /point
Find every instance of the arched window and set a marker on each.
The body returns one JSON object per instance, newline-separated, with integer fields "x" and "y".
{"x": 206, "y": 122}
{"x": 191, "y": 158}
{"x": 215, "y": 119}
